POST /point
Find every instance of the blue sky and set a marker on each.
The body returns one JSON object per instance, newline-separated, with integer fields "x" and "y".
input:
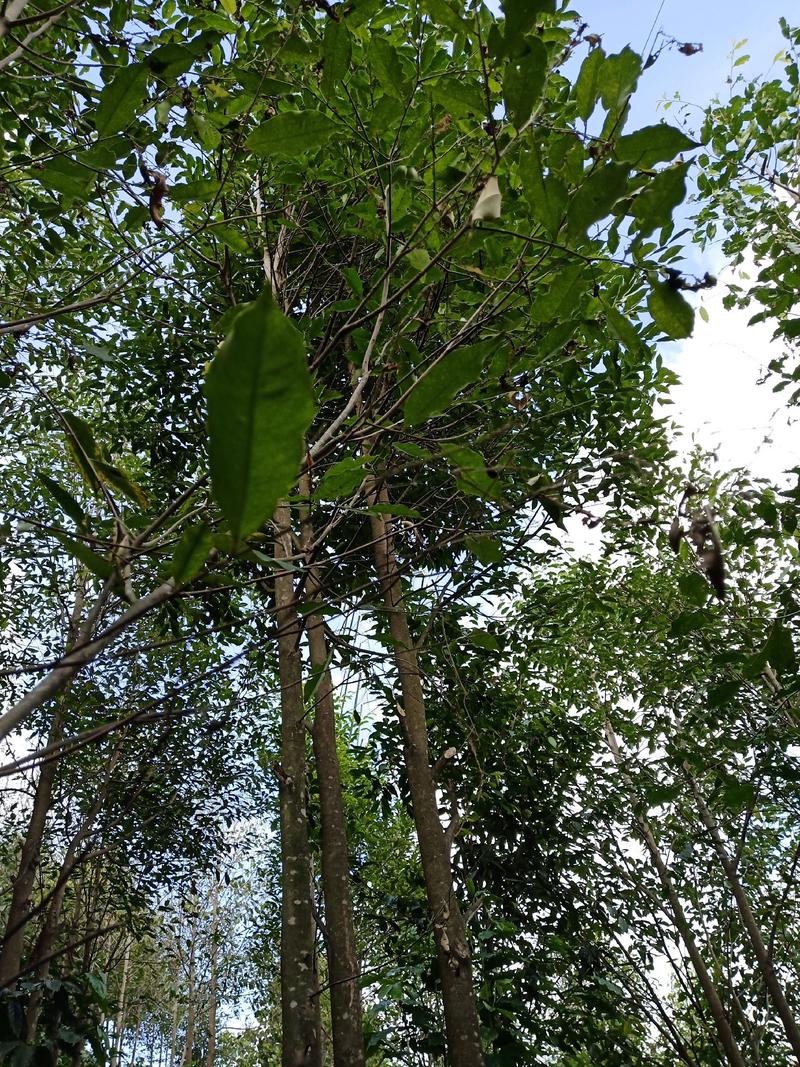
{"x": 716, "y": 25}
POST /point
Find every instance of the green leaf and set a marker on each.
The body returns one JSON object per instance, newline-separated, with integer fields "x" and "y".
{"x": 596, "y": 197}
{"x": 721, "y": 695}
{"x": 230, "y": 236}
{"x": 547, "y": 196}
{"x": 686, "y": 623}
{"x": 472, "y": 477}
{"x": 456, "y": 97}
{"x": 671, "y": 313}
{"x": 483, "y": 639}
{"x": 336, "y": 52}
{"x": 260, "y": 404}
{"x": 564, "y": 297}
{"x": 443, "y": 14}
{"x": 432, "y": 394}
{"x": 623, "y": 329}
{"x": 191, "y": 553}
{"x": 587, "y": 85}
{"x": 485, "y": 549}
{"x": 619, "y": 77}
{"x": 694, "y": 587}
{"x": 65, "y": 500}
{"x": 520, "y": 17}
{"x": 82, "y": 447}
{"x": 653, "y": 144}
{"x": 342, "y": 479}
{"x": 112, "y": 475}
{"x": 387, "y": 67}
{"x": 68, "y": 177}
{"x": 391, "y": 509}
{"x": 291, "y": 133}
{"x": 653, "y": 207}
{"x": 121, "y": 99}
{"x": 779, "y": 649}
{"x": 523, "y": 81}
{"x": 103, "y": 568}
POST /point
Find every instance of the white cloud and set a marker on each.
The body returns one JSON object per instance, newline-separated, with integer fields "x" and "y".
{"x": 720, "y": 404}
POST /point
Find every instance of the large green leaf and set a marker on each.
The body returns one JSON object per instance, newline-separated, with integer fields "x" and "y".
{"x": 618, "y": 79}
{"x": 191, "y": 553}
{"x": 653, "y": 144}
{"x": 523, "y": 81}
{"x": 291, "y": 133}
{"x": 588, "y": 83}
{"x": 779, "y": 649}
{"x": 547, "y": 196}
{"x": 459, "y": 99}
{"x": 673, "y": 314}
{"x": 564, "y": 297}
{"x": 121, "y": 99}
{"x": 260, "y": 404}
{"x": 65, "y": 500}
{"x": 653, "y": 207}
{"x": 336, "y": 51}
{"x": 444, "y": 14}
{"x": 432, "y": 394}
{"x": 597, "y": 196}
{"x": 98, "y": 565}
{"x": 342, "y": 479}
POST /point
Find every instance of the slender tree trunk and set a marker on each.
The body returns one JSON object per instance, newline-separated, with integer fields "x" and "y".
{"x": 773, "y": 986}
{"x": 710, "y": 992}
{"x": 188, "y": 1048}
{"x": 16, "y": 920}
{"x": 173, "y": 1033}
{"x": 300, "y": 1035}
{"x": 119, "y": 1019}
{"x": 211, "y": 1052}
{"x": 343, "y": 968}
{"x": 455, "y": 966}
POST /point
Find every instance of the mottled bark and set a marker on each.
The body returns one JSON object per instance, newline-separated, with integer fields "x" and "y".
{"x": 455, "y": 965}
{"x": 300, "y": 1031}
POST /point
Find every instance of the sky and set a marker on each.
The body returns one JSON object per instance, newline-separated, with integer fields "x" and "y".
{"x": 718, "y": 401}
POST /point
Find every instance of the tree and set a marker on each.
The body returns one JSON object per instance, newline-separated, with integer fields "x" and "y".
{"x": 324, "y": 319}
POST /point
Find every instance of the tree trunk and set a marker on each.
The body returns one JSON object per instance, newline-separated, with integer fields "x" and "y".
{"x": 773, "y": 986}
{"x": 455, "y": 966}
{"x": 188, "y": 1048}
{"x": 17, "y": 919}
{"x": 299, "y": 996}
{"x": 340, "y": 941}
{"x": 713, "y": 1000}
{"x": 119, "y": 1019}
{"x": 212, "y": 980}
{"x": 173, "y": 1033}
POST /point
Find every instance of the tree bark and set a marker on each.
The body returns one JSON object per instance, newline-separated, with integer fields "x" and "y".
{"x": 119, "y": 1018}
{"x": 710, "y": 992}
{"x": 300, "y": 1029}
{"x": 188, "y": 1047}
{"x": 773, "y": 986}
{"x": 16, "y": 920}
{"x": 455, "y": 965}
{"x": 340, "y": 940}
{"x": 211, "y": 1052}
